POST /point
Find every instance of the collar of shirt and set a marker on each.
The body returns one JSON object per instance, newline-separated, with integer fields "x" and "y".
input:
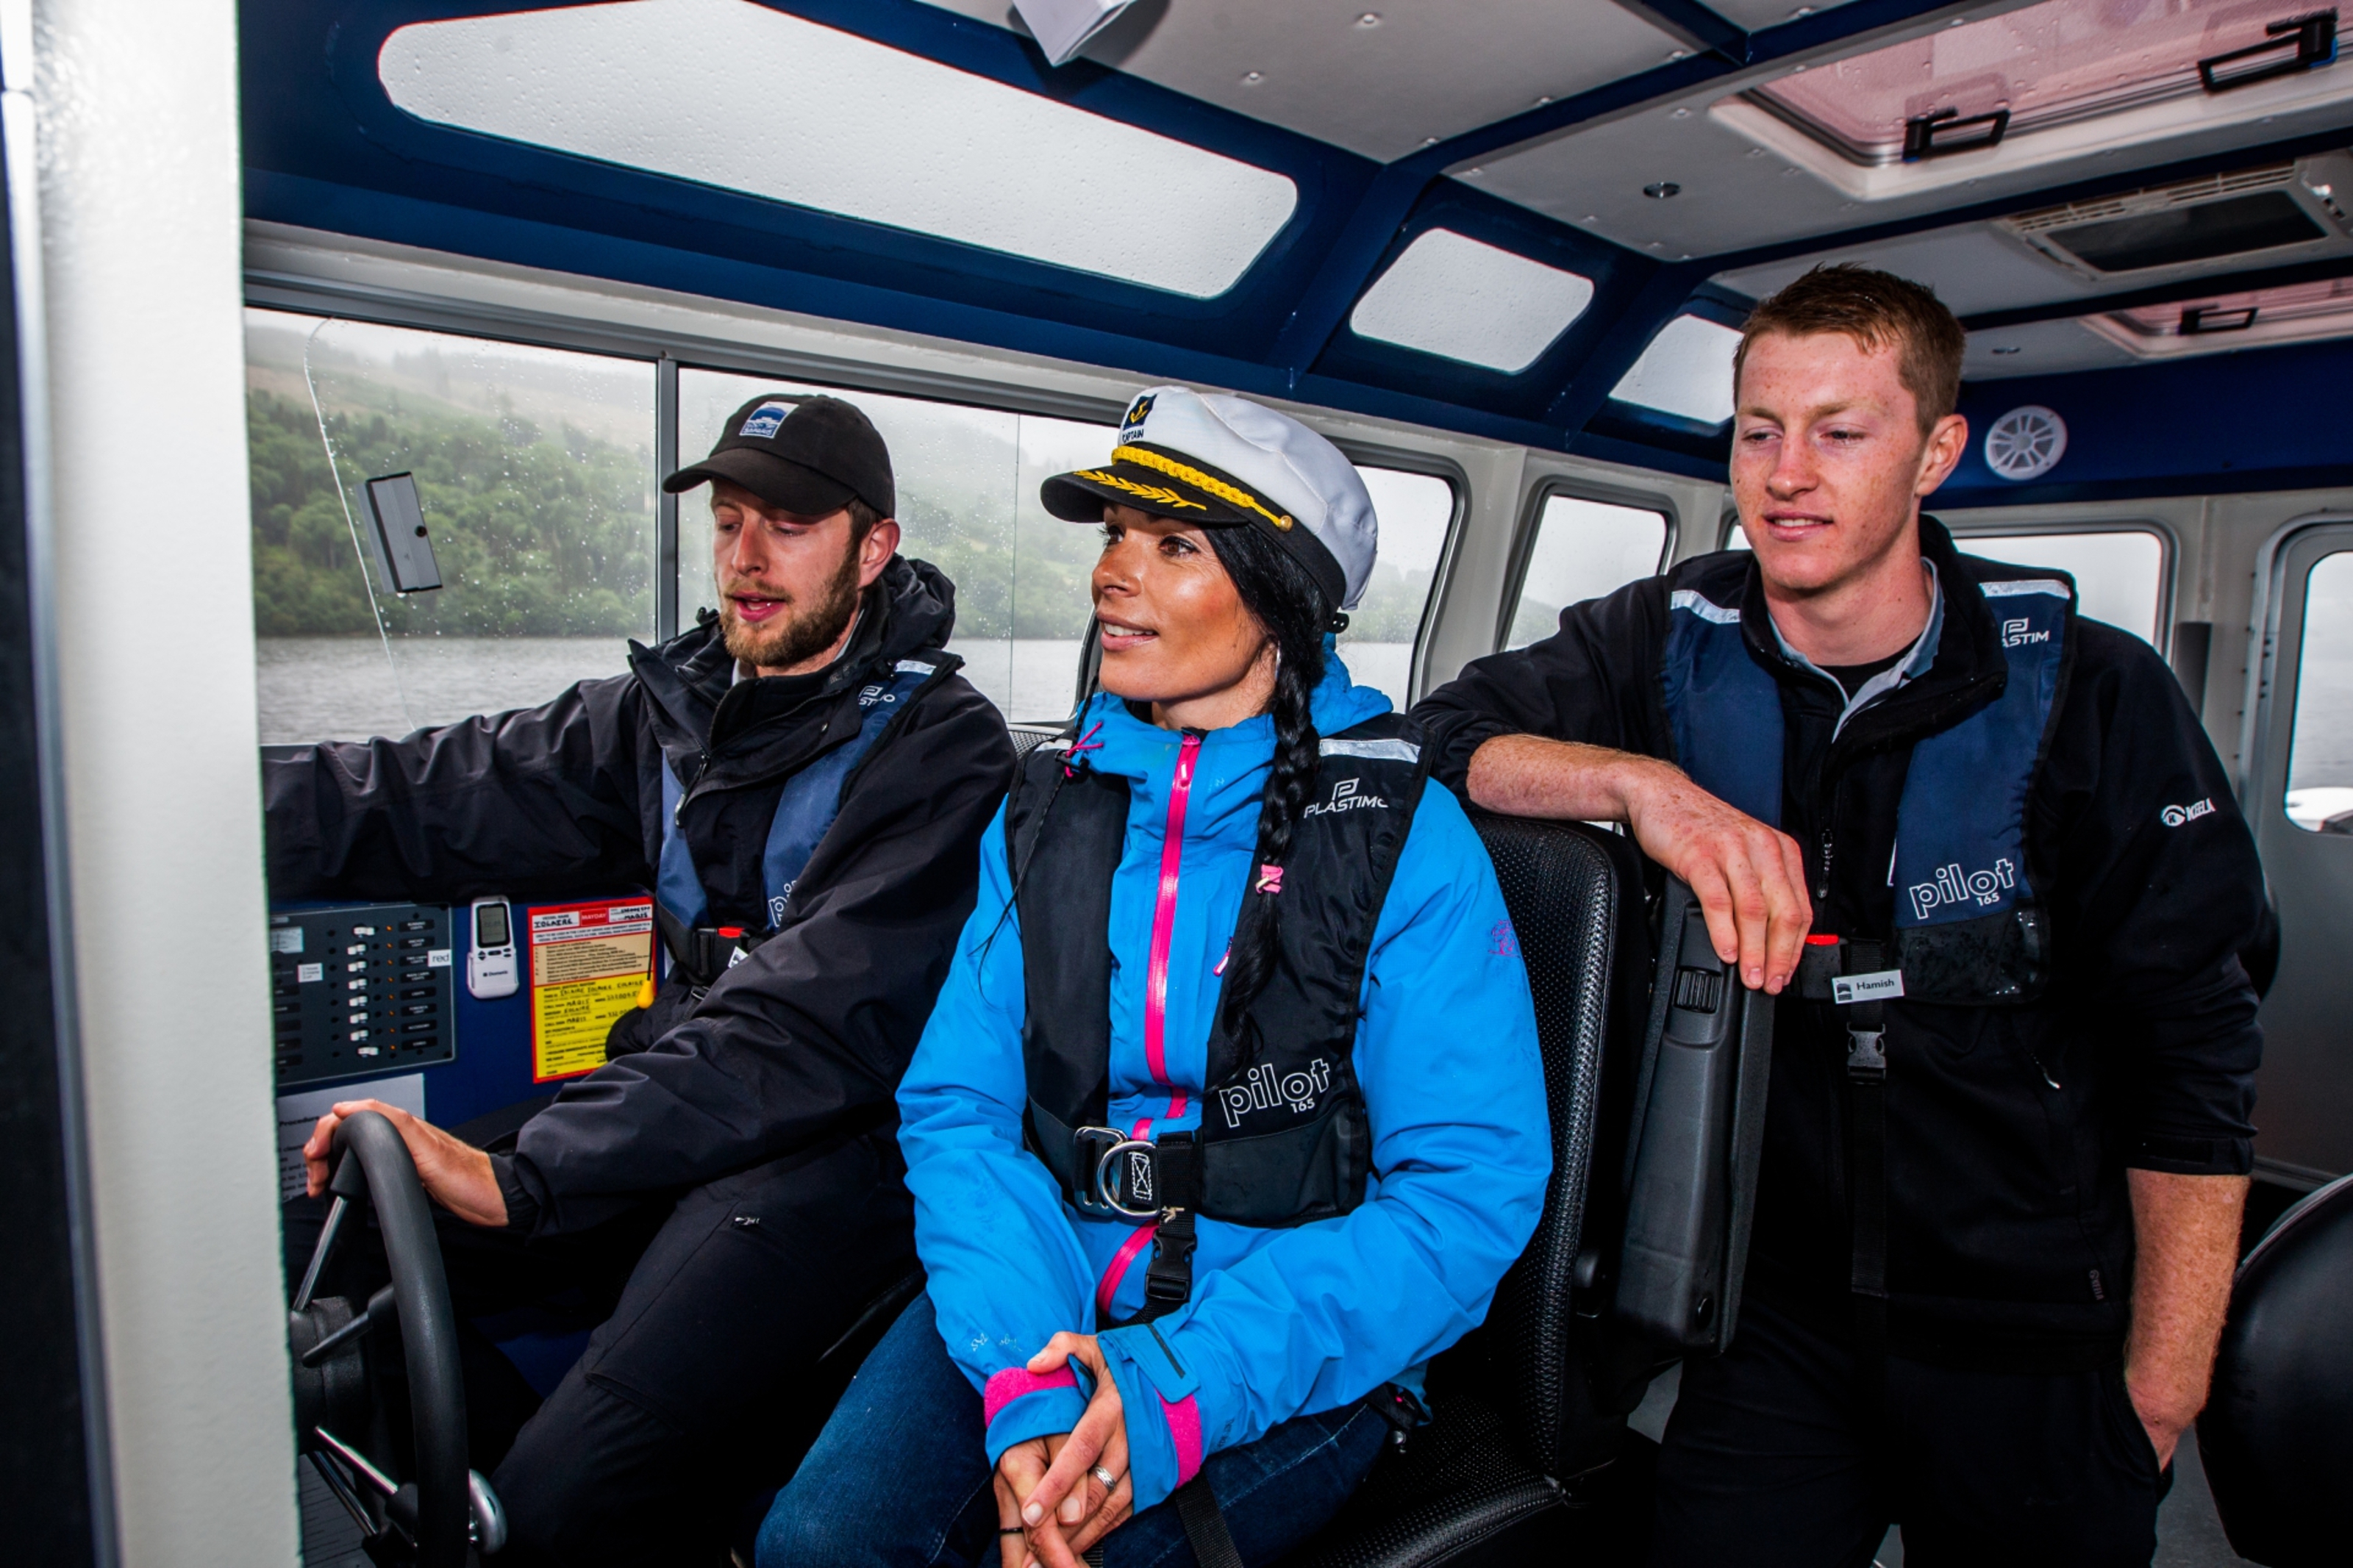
{"x": 1910, "y": 667}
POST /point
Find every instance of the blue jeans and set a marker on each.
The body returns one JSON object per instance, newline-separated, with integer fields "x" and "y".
{"x": 900, "y": 1478}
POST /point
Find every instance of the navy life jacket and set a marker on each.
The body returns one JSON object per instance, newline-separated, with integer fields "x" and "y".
{"x": 805, "y": 808}
{"x": 1283, "y": 1139}
{"x": 1969, "y": 925}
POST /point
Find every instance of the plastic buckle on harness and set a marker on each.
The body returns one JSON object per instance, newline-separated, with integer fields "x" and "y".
{"x": 1866, "y": 1054}
{"x": 1118, "y": 1168}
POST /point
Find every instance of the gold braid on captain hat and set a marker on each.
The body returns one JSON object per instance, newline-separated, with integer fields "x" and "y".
{"x": 1233, "y": 495}
{"x": 1160, "y": 494}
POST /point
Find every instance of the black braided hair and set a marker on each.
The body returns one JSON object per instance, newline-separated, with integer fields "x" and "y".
{"x": 1283, "y": 599}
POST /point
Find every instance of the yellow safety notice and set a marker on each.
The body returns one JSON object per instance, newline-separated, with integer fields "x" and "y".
{"x": 589, "y": 962}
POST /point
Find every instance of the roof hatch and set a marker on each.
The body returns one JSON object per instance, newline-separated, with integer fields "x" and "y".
{"x": 2057, "y": 80}
{"x": 2216, "y": 323}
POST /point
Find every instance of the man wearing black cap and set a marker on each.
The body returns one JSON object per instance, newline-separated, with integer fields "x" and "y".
{"x": 803, "y": 780}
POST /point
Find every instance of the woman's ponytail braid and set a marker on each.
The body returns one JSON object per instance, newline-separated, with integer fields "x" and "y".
{"x": 1285, "y": 600}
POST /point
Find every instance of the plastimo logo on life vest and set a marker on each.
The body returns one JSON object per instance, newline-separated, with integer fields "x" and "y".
{"x": 1954, "y": 886}
{"x": 1345, "y": 798}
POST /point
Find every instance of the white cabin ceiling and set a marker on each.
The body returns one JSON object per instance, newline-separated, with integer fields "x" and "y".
{"x": 1427, "y": 70}
{"x": 1736, "y": 195}
{"x": 1383, "y": 77}
{"x": 1973, "y": 268}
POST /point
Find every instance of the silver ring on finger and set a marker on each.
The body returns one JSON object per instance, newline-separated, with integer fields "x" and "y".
{"x": 1110, "y": 1482}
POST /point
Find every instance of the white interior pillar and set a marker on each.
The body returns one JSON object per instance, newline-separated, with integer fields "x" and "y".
{"x": 154, "y": 660}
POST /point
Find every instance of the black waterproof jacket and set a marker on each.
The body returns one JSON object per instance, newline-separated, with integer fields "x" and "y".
{"x": 2008, "y": 1128}
{"x": 801, "y": 1044}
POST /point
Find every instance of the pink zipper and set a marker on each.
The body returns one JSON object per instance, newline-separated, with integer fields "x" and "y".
{"x": 1156, "y": 1002}
{"x": 1163, "y": 925}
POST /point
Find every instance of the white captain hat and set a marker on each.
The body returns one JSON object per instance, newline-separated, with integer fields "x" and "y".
{"x": 1223, "y": 461}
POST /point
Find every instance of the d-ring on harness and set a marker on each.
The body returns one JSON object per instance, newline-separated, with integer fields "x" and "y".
{"x": 1111, "y": 1178}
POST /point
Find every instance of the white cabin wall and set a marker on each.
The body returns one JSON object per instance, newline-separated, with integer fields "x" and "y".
{"x": 1470, "y": 594}
{"x": 152, "y": 612}
{"x": 2237, "y": 529}
{"x": 2213, "y": 564}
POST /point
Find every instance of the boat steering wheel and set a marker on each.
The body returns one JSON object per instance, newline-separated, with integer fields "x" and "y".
{"x": 433, "y": 1519}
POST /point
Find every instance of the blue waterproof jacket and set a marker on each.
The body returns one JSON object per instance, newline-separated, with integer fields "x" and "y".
{"x": 1281, "y": 1322}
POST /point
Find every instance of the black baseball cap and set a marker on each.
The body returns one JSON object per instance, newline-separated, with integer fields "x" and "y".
{"x": 807, "y": 455}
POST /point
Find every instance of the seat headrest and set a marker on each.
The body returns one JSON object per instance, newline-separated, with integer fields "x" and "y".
{"x": 2277, "y": 1435}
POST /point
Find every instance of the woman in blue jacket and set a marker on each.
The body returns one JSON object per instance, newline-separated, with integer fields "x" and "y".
{"x": 1231, "y": 1115}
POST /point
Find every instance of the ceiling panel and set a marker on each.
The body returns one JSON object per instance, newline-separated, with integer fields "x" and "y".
{"x": 1973, "y": 268}
{"x": 1421, "y": 71}
{"x": 1755, "y": 16}
{"x": 1732, "y": 193}
{"x": 2039, "y": 348}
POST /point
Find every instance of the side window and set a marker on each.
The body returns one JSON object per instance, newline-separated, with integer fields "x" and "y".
{"x": 1583, "y": 550}
{"x": 1415, "y": 510}
{"x": 2320, "y": 740}
{"x": 535, "y": 467}
{"x": 968, "y": 491}
{"x": 2119, "y": 572}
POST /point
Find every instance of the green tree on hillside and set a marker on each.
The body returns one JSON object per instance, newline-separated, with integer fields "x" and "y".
{"x": 544, "y": 533}
{"x": 537, "y": 533}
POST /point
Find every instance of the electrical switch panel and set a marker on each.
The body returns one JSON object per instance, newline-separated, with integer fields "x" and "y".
{"x": 360, "y": 990}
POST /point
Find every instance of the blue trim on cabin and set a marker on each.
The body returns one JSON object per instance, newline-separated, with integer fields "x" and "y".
{"x": 1597, "y": 442}
{"x": 1659, "y": 431}
{"x": 526, "y": 242}
{"x": 2258, "y": 419}
{"x": 1695, "y": 25}
{"x": 326, "y": 150}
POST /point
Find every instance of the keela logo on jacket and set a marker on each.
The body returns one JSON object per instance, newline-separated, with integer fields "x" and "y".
{"x": 1345, "y": 798}
{"x": 1954, "y": 886}
{"x": 2016, "y": 634}
{"x": 2175, "y": 816}
{"x": 1261, "y": 1090}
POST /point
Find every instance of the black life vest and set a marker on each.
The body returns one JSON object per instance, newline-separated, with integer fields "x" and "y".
{"x": 1970, "y": 927}
{"x": 806, "y": 808}
{"x": 1284, "y": 1138}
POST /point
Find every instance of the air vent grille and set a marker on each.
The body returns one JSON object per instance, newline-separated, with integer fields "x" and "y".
{"x": 2238, "y": 181}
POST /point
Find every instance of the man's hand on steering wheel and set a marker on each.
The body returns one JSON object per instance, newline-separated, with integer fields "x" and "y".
{"x": 454, "y": 1173}
{"x": 1052, "y": 1502}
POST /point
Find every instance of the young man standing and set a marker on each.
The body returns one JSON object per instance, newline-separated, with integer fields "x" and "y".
{"x": 2000, "y": 1200}
{"x": 803, "y": 780}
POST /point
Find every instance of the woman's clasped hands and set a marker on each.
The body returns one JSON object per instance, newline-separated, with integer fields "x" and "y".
{"x": 1056, "y": 1496}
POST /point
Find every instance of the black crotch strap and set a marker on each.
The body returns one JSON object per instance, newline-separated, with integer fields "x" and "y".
{"x": 1133, "y": 1179}
{"x": 1866, "y": 1077}
{"x": 1205, "y": 1524}
{"x": 1169, "y": 1282}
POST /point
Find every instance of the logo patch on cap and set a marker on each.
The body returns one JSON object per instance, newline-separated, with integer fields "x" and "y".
{"x": 1138, "y": 412}
{"x": 766, "y": 420}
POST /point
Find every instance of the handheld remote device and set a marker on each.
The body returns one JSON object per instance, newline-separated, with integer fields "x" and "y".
{"x": 490, "y": 957}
